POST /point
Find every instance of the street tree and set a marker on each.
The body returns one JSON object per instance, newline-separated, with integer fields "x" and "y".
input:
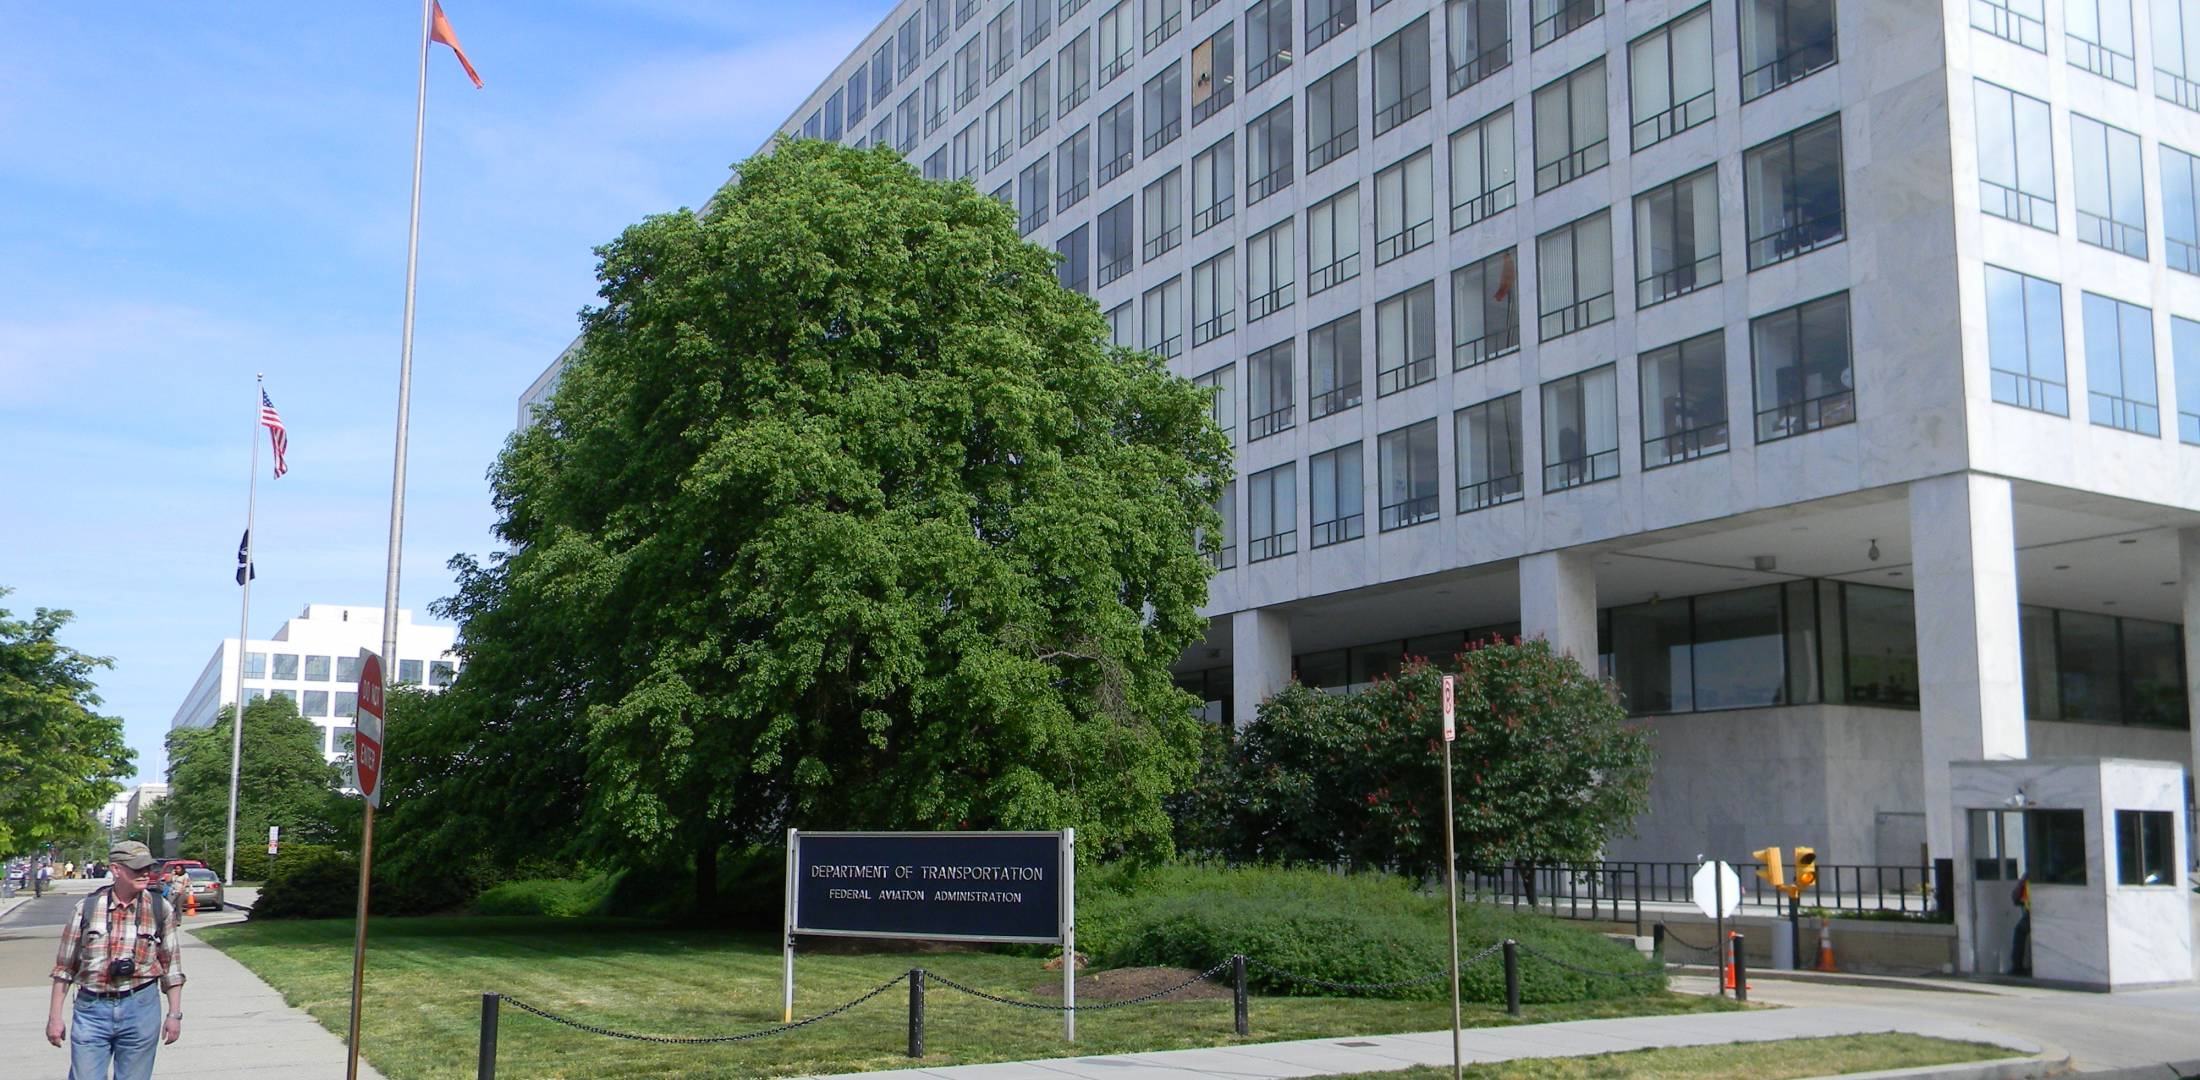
{"x": 60, "y": 760}
{"x": 844, "y": 514}
{"x": 284, "y": 781}
{"x": 1546, "y": 767}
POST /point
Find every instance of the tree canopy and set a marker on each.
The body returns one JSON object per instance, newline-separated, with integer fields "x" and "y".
{"x": 60, "y": 761}
{"x": 284, "y": 781}
{"x": 844, "y": 515}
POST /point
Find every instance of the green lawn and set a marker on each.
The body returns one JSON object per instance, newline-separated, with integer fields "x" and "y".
{"x": 1780, "y": 1060}
{"x": 425, "y": 978}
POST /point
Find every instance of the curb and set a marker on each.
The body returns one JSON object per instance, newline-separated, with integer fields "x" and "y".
{"x": 1843, "y": 978}
{"x": 2168, "y": 1070}
{"x": 2050, "y": 1063}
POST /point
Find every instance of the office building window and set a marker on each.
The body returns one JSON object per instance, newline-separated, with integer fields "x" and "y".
{"x": 1034, "y": 98}
{"x": 1214, "y": 297}
{"x": 1225, "y": 554}
{"x": 1118, "y": 41}
{"x": 255, "y": 666}
{"x": 347, "y": 670}
{"x": 910, "y": 41}
{"x": 1121, "y": 321}
{"x": 442, "y": 673}
{"x": 1164, "y": 215}
{"x": 2021, "y": 21}
{"x": 1268, "y": 399}
{"x": 1482, "y": 169}
{"x": 1214, "y": 73}
{"x": 1269, "y": 275}
{"x": 1000, "y": 42}
{"x": 1401, "y": 73}
{"x": 2089, "y": 668}
{"x": 1034, "y": 196}
{"x": 1488, "y": 452}
{"x": 1006, "y": 194}
{"x": 2181, "y": 209}
{"x": 1222, "y": 409}
{"x": 1163, "y": 318}
{"x": 859, "y": 95}
{"x": 1333, "y": 241}
{"x": 1405, "y": 207}
{"x": 882, "y": 133}
{"x": 832, "y": 128}
{"x": 1334, "y": 480}
{"x": 1574, "y": 276}
{"x": 1785, "y": 40}
{"x": 2112, "y": 209}
{"x": 938, "y": 23}
{"x": 317, "y": 669}
{"x": 1570, "y": 127}
{"x": 1334, "y": 367}
{"x": 2016, "y": 157}
{"x": 2184, "y": 354}
{"x": 967, "y": 146}
{"x": 1405, "y": 340}
{"x": 1118, "y": 252}
{"x": 1803, "y": 378}
{"x": 1272, "y": 512}
{"x": 2176, "y": 51}
{"x": 1074, "y": 63}
{"x": 408, "y": 672}
{"x": 1163, "y": 19}
{"x": 1118, "y": 139}
{"x": 1068, "y": 8}
{"x": 344, "y": 704}
{"x": 882, "y": 73}
{"x": 1581, "y": 429}
{"x": 1406, "y": 458}
{"x": 1075, "y": 269}
{"x": 1670, "y": 74}
{"x": 1333, "y": 116}
{"x": 313, "y": 703}
{"x": 2119, "y": 369}
{"x": 813, "y": 128}
{"x": 1164, "y": 108}
{"x": 2146, "y": 848}
{"x": 935, "y": 100}
{"x": 1326, "y": 19}
{"x": 1477, "y": 40}
{"x": 1267, "y": 40}
{"x": 1268, "y": 152}
{"x": 1793, "y": 189}
{"x": 286, "y": 665}
{"x": 1684, "y": 401}
{"x": 1073, "y": 169}
{"x": 969, "y": 71}
{"x": 1038, "y": 21}
{"x": 1485, "y": 310}
{"x": 1549, "y": 20}
{"x": 292, "y": 695}
{"x": 1214, "y": 185}
{"x": 908, "y": 118}
{"x": 2024, "y": 341}
{"x": 1000, "y": 131}
{"x": 935, "y": 165}
{"x": 2099, "y": 39}
{"x": 1677, "y": 238}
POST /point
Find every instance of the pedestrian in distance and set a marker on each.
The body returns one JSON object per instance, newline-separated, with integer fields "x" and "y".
{"x": 118, "y": 945}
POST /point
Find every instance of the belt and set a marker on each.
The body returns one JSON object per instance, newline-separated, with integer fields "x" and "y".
{"x": 116, "y": 993}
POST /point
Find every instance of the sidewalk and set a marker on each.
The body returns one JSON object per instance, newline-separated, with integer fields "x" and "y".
{"x": 1324, "y": 1057}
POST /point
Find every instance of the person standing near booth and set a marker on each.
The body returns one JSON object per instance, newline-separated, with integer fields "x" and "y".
{"x": 2020, "y": 945}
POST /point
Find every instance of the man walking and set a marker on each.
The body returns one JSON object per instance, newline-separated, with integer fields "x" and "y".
{"x": 118, "y": 944}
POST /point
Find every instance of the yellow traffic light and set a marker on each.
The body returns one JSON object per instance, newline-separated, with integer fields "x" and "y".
{"x": 1806, "y": 867}
{"x": 1771, "y": 870}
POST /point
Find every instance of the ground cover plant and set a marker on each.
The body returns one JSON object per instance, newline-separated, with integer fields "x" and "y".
{"x": 1777, "y": 1060}
{"x": 425, "y": 977}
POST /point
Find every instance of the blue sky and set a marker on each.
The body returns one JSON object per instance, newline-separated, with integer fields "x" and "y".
{"x": 191, "y": 193}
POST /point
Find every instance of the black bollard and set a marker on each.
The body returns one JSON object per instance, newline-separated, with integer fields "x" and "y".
{"x": 916, "y": 1012}
{"x": 1657, "y": 944}
{"x": 487, "y": 1069}
{"x": 1237, "y": 973}
{"x": 1512, "y": 977}
{"x": 1741, "y": 970}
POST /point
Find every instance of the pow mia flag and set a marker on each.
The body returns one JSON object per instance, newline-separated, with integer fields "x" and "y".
{"x": 244, "y": 562}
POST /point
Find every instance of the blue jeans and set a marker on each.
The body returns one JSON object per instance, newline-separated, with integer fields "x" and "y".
{"x": 125, "y": 1031}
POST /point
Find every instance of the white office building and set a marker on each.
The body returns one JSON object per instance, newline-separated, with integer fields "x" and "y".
{"x": 1827, "y": 372}
{"x": 314, "y": 662}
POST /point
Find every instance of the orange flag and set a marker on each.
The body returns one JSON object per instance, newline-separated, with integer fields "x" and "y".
{"x": 440, "y": 30}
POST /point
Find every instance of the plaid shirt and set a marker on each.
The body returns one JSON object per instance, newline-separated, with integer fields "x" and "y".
{"x": 118, "y": 930}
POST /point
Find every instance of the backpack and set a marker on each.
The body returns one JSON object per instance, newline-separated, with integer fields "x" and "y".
{"x": 84, "y": 919}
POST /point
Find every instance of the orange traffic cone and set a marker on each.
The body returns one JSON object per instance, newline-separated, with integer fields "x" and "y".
{"x": 190, "y": 903}
{"x": 1825, "y": 948}
{"x": 1726, "y": 965}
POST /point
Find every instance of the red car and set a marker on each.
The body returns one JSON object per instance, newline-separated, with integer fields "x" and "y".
{"x": 175, "y": 868}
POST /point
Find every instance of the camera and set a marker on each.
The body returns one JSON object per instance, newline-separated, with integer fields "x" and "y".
{"x": 122, "y": 968}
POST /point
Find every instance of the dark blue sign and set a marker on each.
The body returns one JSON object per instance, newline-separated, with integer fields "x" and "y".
{"x": 995, "y": 886}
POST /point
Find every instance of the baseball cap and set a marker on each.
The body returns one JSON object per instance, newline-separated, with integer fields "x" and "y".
{"x": 132, "y": 854}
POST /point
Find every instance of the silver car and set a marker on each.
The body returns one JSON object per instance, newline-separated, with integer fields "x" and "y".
{"x": 204, "y": 884}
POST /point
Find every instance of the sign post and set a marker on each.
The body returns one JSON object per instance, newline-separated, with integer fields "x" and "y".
{"x": 367, "y": 764}
{"x": 1717, "y": 892}
{"x": 1451, "y": 873}
{"x": 274, "y": 834}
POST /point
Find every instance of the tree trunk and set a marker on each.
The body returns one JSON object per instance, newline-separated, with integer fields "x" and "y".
{"x": 706, "y": 874}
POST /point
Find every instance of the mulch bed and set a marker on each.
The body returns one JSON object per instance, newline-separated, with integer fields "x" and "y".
{"x": 1119, "y": 984}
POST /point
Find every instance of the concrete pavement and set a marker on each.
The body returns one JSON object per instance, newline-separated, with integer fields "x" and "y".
{"x": 235, "y": 1025}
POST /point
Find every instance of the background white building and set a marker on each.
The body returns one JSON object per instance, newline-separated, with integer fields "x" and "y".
{"x": 314, "y": 661}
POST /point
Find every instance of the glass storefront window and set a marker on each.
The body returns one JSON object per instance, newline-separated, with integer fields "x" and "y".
{"x": 2154, "y": 685}
{"x": 1372, "y": 662}
{"x": 1738, "y": 649}
{"x": 1881, "y": 625}
{"x": 2085, "y": 666}
{"x": 1802, "y": 642}
{"x": 1651, "y": 657}
{"x": 1325, "y": 670}
{"x": 2036, "y": 638}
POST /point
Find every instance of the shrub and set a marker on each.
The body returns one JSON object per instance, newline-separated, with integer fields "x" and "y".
{"x": 321, "y": 884}
{"x": 566, "y": 898}
{"x": 254, "y": 865}
{"x": 1360, "y": 928}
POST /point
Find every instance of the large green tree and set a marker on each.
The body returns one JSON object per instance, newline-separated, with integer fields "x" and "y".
{"x": 59, "y": 759}
{"x": 284, "y": 781}
{"x": 844, "y": 514}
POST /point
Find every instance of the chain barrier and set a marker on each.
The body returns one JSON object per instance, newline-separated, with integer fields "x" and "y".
{"x": 1308, "y": 980}
{"x": 805, "y": 1022}
{"x": 1684, "y": 942}
{"x": 1579, "y": 970}
{"x": 1041, "y": 1006}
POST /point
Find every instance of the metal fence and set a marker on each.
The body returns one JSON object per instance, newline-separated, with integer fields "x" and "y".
{"x": 1617, "y": 889}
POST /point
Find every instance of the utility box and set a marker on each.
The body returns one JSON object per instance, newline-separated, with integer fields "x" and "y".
{"x": 2071, "y": 871}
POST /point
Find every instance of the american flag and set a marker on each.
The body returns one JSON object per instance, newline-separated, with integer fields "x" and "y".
{"x": 273, "y": 422}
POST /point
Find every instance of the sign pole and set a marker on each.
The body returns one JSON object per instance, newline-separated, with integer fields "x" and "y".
{"x": 1069, "y": 935}
{"x": 244, "y": 627}
{"x": 1718, "y": 927}
{"x": 786, "y": 937}
{"x": 1451, "y": 876}
{"x": 366, "y": 754}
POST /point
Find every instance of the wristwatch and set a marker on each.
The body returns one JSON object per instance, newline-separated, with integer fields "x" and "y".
{"x": 175, "y": 1016}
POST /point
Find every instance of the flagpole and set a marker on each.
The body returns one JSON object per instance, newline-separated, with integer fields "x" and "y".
{"x": 244, "y": 627}
{"x": 390, "y": 662}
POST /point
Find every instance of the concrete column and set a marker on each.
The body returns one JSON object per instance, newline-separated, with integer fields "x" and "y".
{"x": 1558, "y": 602}
{"x": 2188, "y": 583}
{"x": 1260, "y": 660}
{"x": 1970, "y": 666}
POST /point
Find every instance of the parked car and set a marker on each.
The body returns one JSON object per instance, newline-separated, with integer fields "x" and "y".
{"x": 203, "y": 883}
